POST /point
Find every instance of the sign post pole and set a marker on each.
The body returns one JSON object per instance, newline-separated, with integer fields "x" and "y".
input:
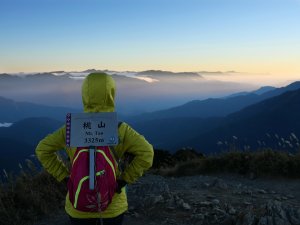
{"x": 90, "y": 130}
{"x": 92, "y": 153}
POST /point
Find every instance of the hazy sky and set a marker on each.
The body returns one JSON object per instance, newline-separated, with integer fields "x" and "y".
{"x": 253, "y": 36}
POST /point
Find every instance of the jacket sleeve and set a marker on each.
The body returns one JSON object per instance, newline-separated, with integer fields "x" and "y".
{"x": 46, "y": 153}
{"x": 136, "y": 144}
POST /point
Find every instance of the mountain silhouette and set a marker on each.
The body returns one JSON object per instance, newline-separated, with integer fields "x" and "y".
{"x": 168, "y": 74}
{"x": 163, "y": 133}
{"x": 31, "y": 130}
{"x": 259, "y": 91}
{"x": 12, "y": 111}
{"x": 18, "y": 141}
{"x": 216, "y": 107}
{"x": 13, "y": 152}
{"x": 253, "y": 127}
{"x": 271, "y": 123}
{"x": 136, "y": 93}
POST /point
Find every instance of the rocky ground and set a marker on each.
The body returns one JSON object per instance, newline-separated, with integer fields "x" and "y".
{"x": 213, "y": 200}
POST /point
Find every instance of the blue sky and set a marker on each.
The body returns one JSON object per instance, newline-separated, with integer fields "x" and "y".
{"x": 179, "y": 35}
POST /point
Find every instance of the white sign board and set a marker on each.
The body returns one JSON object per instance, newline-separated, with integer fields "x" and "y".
{"x": 91, "y": 129}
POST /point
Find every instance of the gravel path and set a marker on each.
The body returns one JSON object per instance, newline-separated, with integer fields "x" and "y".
{"x": 203, "y": 200}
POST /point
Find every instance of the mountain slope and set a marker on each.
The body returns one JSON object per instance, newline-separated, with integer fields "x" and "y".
{"x": 30, "y": 130}
{"x": 215, "y": 107}
{"x": 13, "y": 152}
{"x": 211, "y": 107}
{"x": 18, "y": 142}
{"x": 12, "y": 111}
{"x": 163, "y": 133}
{"x": 269, "y": 123}
{"x": 259, "y": 91}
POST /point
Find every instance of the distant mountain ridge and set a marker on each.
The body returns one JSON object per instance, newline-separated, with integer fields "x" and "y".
{"x": 18, "y": 141}
{"x": 30, "y": 130}
{"x": 166, "y": 133}
{"x": 12, "y": 111}
{"x": 263, "y": 90}
{"x": 271, "y": 123}
{"x": 256, "y": 123}
{"x": 252, "y": 127}
{"x": 216, "y": 107}
{"x": 137, "y": 92}
{"x": 14, "y": 152}
{"x": 160, "y": 73}
{"x": 259, "y": 91}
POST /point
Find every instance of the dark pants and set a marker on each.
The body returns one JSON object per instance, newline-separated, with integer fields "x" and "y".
{"x": 107, "y": 221}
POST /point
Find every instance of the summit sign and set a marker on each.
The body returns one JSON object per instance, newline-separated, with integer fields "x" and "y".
{"x": 91, "y": 129}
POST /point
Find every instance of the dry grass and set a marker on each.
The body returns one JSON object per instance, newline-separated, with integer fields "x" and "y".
{"x": 29, "y": 196}
{"x": 265, "y": 162}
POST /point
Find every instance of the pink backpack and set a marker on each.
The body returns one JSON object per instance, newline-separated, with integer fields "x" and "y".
{"x": 105, "y": 184}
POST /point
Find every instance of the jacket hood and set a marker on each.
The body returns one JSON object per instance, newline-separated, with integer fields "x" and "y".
{"x": 98, "y": 93}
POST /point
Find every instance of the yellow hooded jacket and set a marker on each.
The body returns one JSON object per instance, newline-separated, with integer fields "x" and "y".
{"x": 98, "y": 92}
